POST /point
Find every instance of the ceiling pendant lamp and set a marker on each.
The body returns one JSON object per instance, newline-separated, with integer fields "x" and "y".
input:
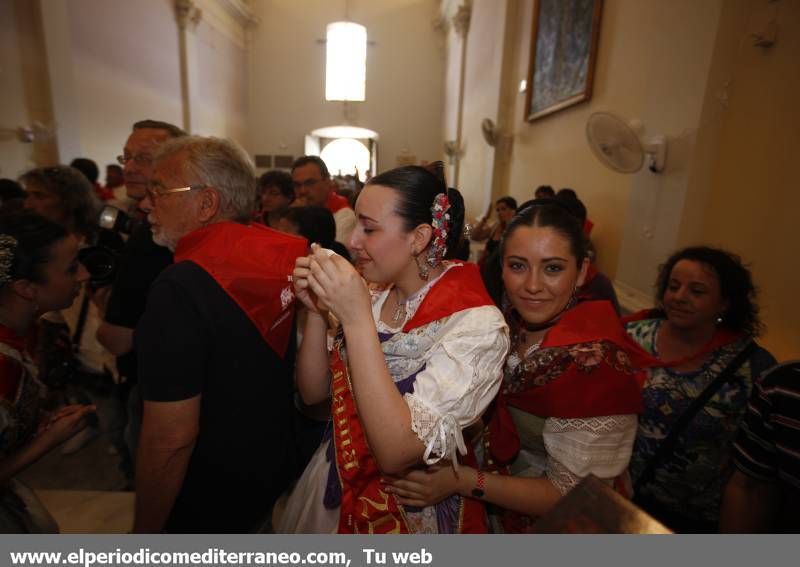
{"x": 346, "y": 62}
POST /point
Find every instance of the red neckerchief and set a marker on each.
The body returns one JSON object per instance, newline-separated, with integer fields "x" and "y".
{"x": 335, "y": 202}
{"x": 365, "y": 506}
{"x": 459, "y": 288}
{"x": 252, "y": 264}
{"x": 608, "y": 385}
{"x": 722, "y": 337}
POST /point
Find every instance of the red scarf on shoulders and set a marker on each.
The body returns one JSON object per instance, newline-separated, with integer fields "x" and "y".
{"x": 603, "y": 371}
{"x": 596, "y": 373}
{"x": 722, "y": 337}
{"x": 252, "y": 264}
{"x": 365, "y": 506}
{"x": 336, "y": 202}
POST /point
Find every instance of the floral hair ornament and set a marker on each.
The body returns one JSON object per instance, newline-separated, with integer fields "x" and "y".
{"x": 440, "y": 221}
{"x": 8, "y": 244}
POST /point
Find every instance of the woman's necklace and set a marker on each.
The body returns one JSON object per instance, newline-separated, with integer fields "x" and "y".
{"x": 527, "y": 343}
{"x": 400, "y": 310}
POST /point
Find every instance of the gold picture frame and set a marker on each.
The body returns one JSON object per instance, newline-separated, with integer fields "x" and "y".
{"x": 564, "y": 39}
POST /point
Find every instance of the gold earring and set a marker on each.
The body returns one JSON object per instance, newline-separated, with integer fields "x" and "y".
{"x": 422, "y": 268}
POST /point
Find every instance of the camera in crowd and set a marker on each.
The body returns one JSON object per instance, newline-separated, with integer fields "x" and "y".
{"x": 102, "y": 259}
{"x": 116, "y": 220}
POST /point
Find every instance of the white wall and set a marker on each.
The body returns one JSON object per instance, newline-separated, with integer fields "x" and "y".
{"x": 220, "y": 104}
{"x": 672, "y": 103}
{"x": 688, "y": 70}
{"x": 743, "y": 196}
{"x": 25, "y": 93}
{"x": 114, "y": 62}
{"x": 405, "y": 76}
{"x": 653, "y": 58}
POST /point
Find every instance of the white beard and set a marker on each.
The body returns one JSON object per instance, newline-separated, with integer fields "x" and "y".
{"x": 160, "y": 239}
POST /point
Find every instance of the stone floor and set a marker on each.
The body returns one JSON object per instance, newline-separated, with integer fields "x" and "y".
{"x": 84, "y": 491}
{"x": 89, "y": 511}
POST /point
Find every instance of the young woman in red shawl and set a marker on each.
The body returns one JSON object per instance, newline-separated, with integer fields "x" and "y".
{"x": 418, "y": 356}
{"x": 39, "y": 272}
{"x": 567, "y": 407}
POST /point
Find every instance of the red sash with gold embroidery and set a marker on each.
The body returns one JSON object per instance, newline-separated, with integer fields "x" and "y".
{"x": 365, "y": 506}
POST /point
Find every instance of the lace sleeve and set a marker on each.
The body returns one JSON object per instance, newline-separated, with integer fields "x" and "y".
{"x": 597, "y": 445}
{"x": 440, "y": 434}
{"x": 462, "y": 374}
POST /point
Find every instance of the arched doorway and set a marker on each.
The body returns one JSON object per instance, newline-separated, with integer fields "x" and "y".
{"x": 346, "y": 156}
{"x": 345, "y": 150}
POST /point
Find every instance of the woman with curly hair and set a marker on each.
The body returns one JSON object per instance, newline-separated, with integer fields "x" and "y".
{"x": 703, "y": 336}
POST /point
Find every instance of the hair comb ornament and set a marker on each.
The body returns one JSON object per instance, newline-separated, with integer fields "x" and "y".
{"x": 440, "y": 221}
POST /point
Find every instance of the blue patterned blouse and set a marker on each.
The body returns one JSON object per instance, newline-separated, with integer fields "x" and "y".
{"x": 689, "y": 483}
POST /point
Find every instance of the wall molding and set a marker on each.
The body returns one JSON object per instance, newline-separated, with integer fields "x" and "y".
{"x": 241, "y": 11}
{"x": 461, "y": 19}
{"x": 448, "y": 8}
{"x": 232, "y": 18}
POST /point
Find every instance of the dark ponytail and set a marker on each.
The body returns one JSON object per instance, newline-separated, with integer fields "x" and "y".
{"x": 417, "y": 187}
{"x": 456, "y": 222}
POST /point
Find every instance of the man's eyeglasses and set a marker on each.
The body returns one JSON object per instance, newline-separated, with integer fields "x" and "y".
{"x": 138, "y": 159}
{"x": 154, "y": 192}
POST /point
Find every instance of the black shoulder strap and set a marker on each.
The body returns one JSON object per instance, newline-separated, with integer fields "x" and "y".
{"x": 668, "y": 444}
{"x": 77, "y": 335}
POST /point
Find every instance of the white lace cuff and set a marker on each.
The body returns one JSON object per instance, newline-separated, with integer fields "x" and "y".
{"x": 440, "y": 434}
{"x": 560, "y": 476}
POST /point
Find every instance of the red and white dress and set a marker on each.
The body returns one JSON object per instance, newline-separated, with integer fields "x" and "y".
{"x": 446, "y": 358}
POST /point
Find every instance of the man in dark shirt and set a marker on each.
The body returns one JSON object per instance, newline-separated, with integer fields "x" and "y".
{"x": 140, "y": 262}
{"x": 215, "y": 371}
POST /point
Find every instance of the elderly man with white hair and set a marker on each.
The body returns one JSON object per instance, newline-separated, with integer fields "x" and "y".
{"x": 215, "y": 367}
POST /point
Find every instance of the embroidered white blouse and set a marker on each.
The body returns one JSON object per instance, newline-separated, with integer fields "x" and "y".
{"x": 459, "y": 366}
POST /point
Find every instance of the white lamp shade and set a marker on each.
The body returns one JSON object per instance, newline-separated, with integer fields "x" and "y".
{"x": 346, "y": 64}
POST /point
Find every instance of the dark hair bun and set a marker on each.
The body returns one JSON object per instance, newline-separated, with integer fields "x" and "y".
{"x": 456, "y": 230}
{"x": 437, "y": 168}
{"x": 417, "y": 187}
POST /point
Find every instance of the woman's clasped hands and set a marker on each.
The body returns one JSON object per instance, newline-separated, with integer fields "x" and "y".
{"x": 428, "y": 486}
{"x": 324, "y": 281}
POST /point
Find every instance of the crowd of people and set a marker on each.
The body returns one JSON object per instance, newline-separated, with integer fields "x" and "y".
{"x": 280, "y": 353}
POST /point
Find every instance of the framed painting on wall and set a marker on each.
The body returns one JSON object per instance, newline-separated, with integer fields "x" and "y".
{"x": 563, "y": 51}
